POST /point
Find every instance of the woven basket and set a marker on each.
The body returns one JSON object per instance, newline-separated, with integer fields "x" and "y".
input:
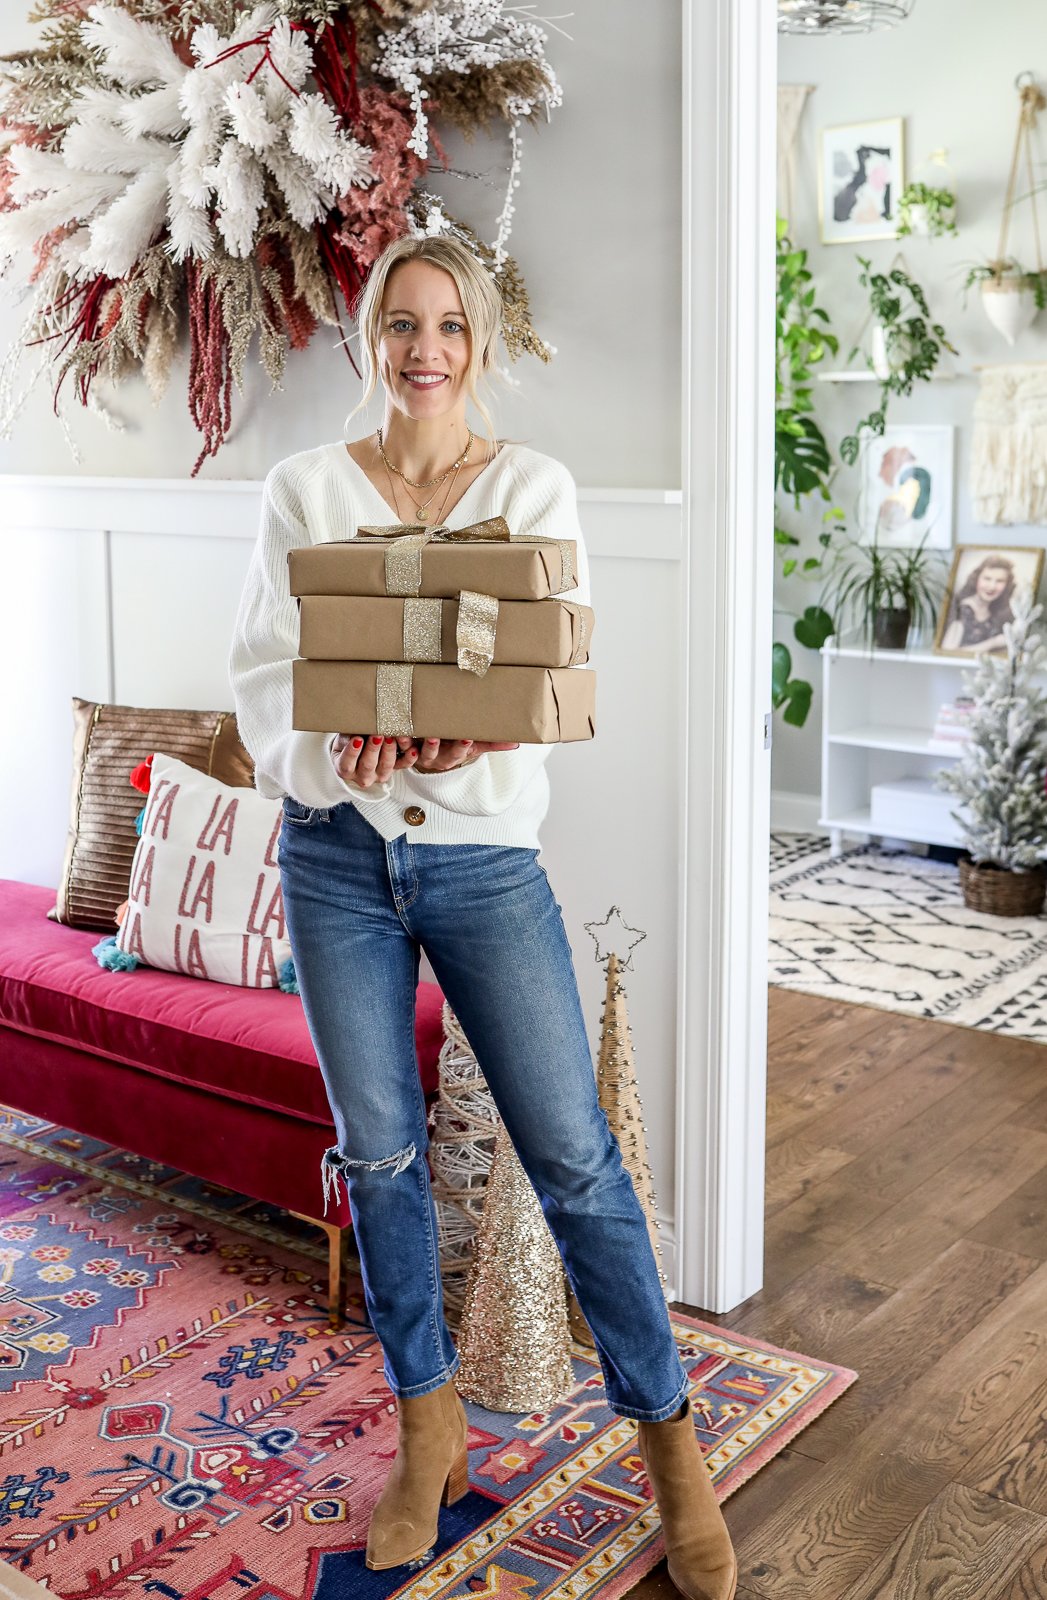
{"x": 1002, "y": 893}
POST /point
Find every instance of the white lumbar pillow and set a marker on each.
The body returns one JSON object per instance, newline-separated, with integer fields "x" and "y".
{"x": 205, "y": 896}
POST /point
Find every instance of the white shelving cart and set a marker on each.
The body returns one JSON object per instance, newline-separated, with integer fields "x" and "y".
{"x": 878, "y": 714}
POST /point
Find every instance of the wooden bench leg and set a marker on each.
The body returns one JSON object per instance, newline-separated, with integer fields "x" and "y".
{"x": 337, "y": 1263}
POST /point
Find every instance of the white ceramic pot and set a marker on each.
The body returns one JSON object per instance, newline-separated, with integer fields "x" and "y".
{"x": 1010, "y": 306}
{"x": 918, "y": 219}
{"x": 882, "y": 364}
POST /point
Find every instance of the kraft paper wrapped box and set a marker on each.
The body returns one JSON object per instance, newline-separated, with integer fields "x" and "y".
{"x": 410, "y": 687}
{"x": 527, "y": 633}
{"x": 531, "y": 705}
{"x": 435, "y": 563}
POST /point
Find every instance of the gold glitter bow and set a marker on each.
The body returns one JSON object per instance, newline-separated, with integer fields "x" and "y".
{"x": 403, "y": 558}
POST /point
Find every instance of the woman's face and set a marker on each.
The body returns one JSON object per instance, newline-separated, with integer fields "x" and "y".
{"x": 992, "y": 581}
{"x": 423, "y": 340}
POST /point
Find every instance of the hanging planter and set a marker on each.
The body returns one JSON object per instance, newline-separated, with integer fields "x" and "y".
{"x": 1010, "y": 304}
{"x": 1010, "y": 295}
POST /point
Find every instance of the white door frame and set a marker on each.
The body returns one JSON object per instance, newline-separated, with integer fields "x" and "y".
{"x": 729, "y": 100}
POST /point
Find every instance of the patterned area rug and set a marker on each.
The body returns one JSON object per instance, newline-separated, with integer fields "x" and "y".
{"x": 886, "y": 928}
{"x": 177, "y": 1420}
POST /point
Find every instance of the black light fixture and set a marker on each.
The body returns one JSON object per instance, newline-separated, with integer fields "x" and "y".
{"x": 812, "y": 17}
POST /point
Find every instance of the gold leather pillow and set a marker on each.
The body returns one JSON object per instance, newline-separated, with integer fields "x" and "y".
{"x": 108, "y": 742}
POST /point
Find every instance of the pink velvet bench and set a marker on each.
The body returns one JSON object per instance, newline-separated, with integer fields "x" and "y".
{"x": 219, "y": 1081}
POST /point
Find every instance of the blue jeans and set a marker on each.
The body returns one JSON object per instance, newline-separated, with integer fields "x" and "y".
{"x": 359, "y": 908}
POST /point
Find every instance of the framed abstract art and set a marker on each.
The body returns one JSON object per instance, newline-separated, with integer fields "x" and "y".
{"x": 907, "y": 487}
{"x": 860, "y": 177}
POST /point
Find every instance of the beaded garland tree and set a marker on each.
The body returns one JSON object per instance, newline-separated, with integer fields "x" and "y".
{"x": 616, "y": 1083}
{"x": 239, "y": 169}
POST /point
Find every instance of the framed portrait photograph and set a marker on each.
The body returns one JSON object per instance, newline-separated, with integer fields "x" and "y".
{"x": 983, "y": 582}
{"x": 907, "y": 487}
{"x": 860, "y": 176}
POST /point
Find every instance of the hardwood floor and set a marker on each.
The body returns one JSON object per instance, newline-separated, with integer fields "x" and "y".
{"x": 906, "y": 1237}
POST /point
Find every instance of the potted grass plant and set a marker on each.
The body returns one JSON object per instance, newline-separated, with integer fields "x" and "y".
{"x": 884, "y": 593}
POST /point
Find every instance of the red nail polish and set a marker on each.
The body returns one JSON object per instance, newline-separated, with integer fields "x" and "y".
{"x": 376, "y": 738}
{"x": 389, "y": 739}
{"x": 357, "y": 744}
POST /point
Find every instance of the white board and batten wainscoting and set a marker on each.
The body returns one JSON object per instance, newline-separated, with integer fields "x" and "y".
{"x": 125, "y": 591}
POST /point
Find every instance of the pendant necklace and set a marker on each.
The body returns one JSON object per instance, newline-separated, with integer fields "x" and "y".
{"x": 422, "y": 512}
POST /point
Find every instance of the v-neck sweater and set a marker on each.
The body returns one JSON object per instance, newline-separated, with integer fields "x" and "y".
{"x": 322, "y": 494}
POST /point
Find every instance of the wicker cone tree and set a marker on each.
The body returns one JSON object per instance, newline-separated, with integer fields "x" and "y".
{"x": 463, "y": 1123}
{"x": 620, "y": 1099}
{"x": 514, "y": 1340}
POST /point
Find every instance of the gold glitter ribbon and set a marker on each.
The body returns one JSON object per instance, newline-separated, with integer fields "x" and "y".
{"x": 477, "y": 612}
{"x": 477, "y": 621}
{"x": 475, "y": 633}
{"x": 585, "y": 625}
{"x": 393, "y": 697}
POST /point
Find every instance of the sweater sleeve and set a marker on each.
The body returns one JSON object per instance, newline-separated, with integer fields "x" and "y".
{"x": 539, "y": 505}
{"x": 264, "y": 646}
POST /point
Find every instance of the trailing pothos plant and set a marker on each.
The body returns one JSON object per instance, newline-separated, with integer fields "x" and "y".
{"x": 925, "y": 203}
{"x": 803, "y": 463}
{"x": 913, "y": 343}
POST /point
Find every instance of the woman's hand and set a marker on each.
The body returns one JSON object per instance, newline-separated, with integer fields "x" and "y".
{"x": 443, "y": 755}
{"x": 363, "y": 761}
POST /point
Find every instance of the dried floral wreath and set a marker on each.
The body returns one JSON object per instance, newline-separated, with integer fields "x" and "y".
{"x": 250, "y": 165}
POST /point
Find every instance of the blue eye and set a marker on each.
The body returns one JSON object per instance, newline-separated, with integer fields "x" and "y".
{"x": 401, "y": 322}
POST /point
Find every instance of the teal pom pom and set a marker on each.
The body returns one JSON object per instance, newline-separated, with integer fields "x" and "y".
{"x": 139, "y": 821}
{"x": 287, "y": 977}
{"x": 107, "y": 955}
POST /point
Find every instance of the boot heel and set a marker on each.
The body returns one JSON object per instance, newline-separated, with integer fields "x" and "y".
{"x": 457, "y": 1480}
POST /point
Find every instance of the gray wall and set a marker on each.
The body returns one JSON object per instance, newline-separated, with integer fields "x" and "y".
{"x": 949, "y": 70}
{"x": 596, "y": 233}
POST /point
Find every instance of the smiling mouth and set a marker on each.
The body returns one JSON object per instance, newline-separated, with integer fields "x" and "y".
{"x": 425, "y": 380}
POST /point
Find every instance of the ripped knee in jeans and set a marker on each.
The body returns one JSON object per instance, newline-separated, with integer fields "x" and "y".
{"x": 334, "y": 1162}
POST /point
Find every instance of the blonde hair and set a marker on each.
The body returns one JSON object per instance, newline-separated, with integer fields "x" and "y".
{"x": 481, "y": 303}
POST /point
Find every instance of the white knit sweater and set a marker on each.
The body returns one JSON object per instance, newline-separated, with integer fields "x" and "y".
{"x": 322, "y": 494}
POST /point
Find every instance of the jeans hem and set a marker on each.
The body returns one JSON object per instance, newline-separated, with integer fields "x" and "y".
{"x": 660, "y": 1415}
{"x": 432, "y": 1383}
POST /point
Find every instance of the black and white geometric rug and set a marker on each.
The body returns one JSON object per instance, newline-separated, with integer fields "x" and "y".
{"x": 885, "y": 928}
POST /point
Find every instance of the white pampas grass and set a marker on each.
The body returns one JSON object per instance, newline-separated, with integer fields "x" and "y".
{"x": 161, "y": 145}
{"x": 249, "y": 118}
{"x": 134, "y": 53}
{"x": 121, "y": 233}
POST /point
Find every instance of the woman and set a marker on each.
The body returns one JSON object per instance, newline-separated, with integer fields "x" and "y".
{"x": 388, "y": 846}
{"x": 982, "y": 607}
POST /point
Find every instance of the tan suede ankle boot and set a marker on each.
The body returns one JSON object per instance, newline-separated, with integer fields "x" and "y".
{"x": 698, "y": 1547}
{"x": 431, "y": 1468}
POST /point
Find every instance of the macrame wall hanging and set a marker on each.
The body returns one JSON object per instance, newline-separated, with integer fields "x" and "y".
{"x": 792, "y": 97}
{"x": 170, "y": 163}
{"x": 1008, "y": 473}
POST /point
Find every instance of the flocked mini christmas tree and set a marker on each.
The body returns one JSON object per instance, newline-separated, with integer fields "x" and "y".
{"x": 617, "y": 1088}
{"x": 1001, "y": 774}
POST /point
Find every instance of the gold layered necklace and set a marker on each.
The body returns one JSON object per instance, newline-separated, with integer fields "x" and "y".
{"x": 422, "y": 511}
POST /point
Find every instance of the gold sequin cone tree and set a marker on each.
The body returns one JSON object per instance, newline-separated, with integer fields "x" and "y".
{"x": 514, "y": 1340}
{"x": 620, "y": 1099}
{"x": 463, "y": 1122}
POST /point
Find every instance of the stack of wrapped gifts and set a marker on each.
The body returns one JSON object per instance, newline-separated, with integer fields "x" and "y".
{"x": 442, "y": 634}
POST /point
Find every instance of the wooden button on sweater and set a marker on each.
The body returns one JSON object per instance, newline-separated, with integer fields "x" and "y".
{"x": 414, "y": 814}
